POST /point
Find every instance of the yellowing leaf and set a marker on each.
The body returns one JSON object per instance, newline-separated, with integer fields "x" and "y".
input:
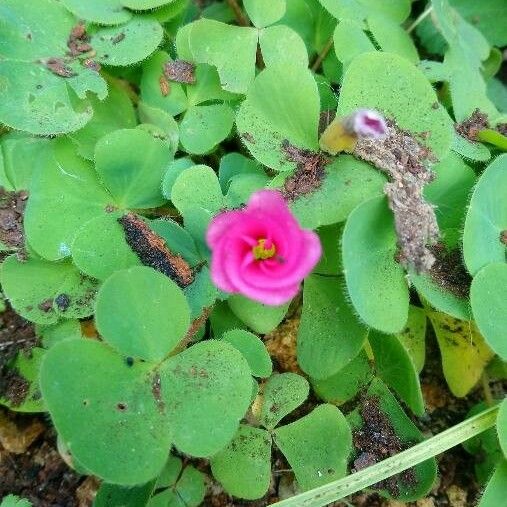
{"x": 464, "y": 351}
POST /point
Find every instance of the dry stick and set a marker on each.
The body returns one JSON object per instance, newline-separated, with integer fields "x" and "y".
{"x": 320, "y": 57}
{"x": 240, "y": 16}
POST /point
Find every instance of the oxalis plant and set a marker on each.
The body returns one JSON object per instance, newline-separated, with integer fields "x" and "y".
{"x": 181, "y": 178}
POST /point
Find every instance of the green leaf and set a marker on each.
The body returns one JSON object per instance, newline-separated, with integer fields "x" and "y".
{"x": 201, "y": 293}
{"x": 207, "y": 86}
{"x": 358, "y": 9}
{"x": 160, "y": 125}
{"x": 213, "y": 43}
{"x": 501, "y": 425}
{"x": 264, "y": 12}
{"x": 203, "y": 127}
{"x": 141, "y": 5}
{"x": 62, "y": 330}
{"x": 142, "y": 313}
{"x": 375, "y": 281}
{"x": 396, "y": 368}
{"x": 488, "y": 16}
{"x": 253, "y": 350}
{"x": 267, "y": 116}
{"x": 250, "y": 453}
{"x": 391, "y": 37}
{"x": 486, "y": 218}
{"x": 197, "y": 186}
{"x": 26, "y": 366}
{"x": 114, "y": 112}
{"x": 104, "y": 12}
{"x": 64, "y": 193}
{"x": 174, "y": 169}
{"x": 330, "y": 262}
{"x": 450, "y": 192}
{"x": 112, "y": 494}
{"x": 347, "y": 183}
{"x": 117, "y": 419}
{"x": 14, "y": 501}
{"x": 464, "y": 352}
{"x": 260, "y": 318}
{"x": 350, "y": 40}
{"x": 100, "y": 248}
{"x": 37, "y": 100}
{"x": 131, "y": 163}
{"x": 346, "y": 382}
{"x": 488, "y": 296}
{"x": 177, "y": 239}
{"x": 400, "y": 91}
{"x": 281, "y": 44}
{"x": 234, "y": 164}
{"x": 22, "y": 156}
{"x": 381, "y": 408}
{"x": 470, "y": 150}
{"x": 317, "y": 446}
{"x": 174, "y": 102}
{"x": 330, "y": 335}
{"x": 495, "y": 491}
{"x": 242, "y": 187}
{"x": 207, "y": 386}
{"x": 413, "y": 337}
{"x": 42, "y": 291}
{"x": 282, "y": 394}
{"x": 190, "y": 488}
{"x": 127, "y": 44}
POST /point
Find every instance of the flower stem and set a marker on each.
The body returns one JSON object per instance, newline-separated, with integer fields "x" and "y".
{"x": 320, "y": 57}
{"x": 420, "y": 18}
{"x": 240, "y": 16}
{"x": 324, "y": 495}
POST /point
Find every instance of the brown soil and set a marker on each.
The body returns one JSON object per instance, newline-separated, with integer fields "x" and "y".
{"x": 180, "y": 71}
{"x": 375, "y": 441}
{"x": 449, "y": 271}
{"x": 34, "y": 470}
{"x": 12, "y": 208}
{"x": 309, "y": 173}
{"x": 78, "y": 41}
{"x": 471, "y": 127}
{"x": 152, "y": 250}
{"x": 404, "y": 159}
{"x": 16, "y": 335}
{"x": 59, "y": 67}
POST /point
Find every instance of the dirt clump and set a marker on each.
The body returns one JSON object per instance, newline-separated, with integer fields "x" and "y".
{"x": 78, "y": 41}
{"x": 152, "y": 251}
{"x": 470, "y": 128}
{"x": 309, "y": 174}
{"x": 449, "y": 272}
{"x": 180, "y": 71}
{"x": 404, "y": 160}
{"x": 16, "y": 335}
{"x": 12, "y": 209}
{"x": 59, "y": 67}
{"x": 375, "y": 441}
{"x": 502, "y": 128}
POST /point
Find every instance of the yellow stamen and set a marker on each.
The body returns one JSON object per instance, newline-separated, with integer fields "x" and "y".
{"x": 260, "y": 252}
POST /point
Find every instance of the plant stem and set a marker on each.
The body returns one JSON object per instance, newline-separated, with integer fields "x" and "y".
{"x": 324, "y": 495}
{"x": 240, "y": 16}
{"x": 421, "y": 17}
{"x": 320, "y": 57}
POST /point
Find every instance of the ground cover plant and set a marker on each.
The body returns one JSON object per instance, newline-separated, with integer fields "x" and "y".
{"x": 250, "y": 250}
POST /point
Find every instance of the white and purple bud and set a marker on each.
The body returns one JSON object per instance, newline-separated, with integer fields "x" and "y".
{"x": 365, "y": 123}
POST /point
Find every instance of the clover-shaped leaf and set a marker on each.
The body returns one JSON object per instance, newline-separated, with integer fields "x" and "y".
{"x": 114, "y": 418}
{"x": 105, "y": 12}
{"x": 265, "y": 12}
{"x": 206, "y": 390}
{"x": 43, "y": 291}
{"x": 40, "y": 100}
{"x": 267, "y": 116}
{"x": 330, "y": 334}
{"x": 142, "y": 313}
{"x": 253, "y": 351}
{"x": 375, "y": 281}
{"x": 314, "y": 457}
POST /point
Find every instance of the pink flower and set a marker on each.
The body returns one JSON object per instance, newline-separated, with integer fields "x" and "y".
{"x": 366, "y": 123}
{"x": 260, "y": 251}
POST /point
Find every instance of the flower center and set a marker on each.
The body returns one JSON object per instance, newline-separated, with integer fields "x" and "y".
{"x": 264, "y": 249}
